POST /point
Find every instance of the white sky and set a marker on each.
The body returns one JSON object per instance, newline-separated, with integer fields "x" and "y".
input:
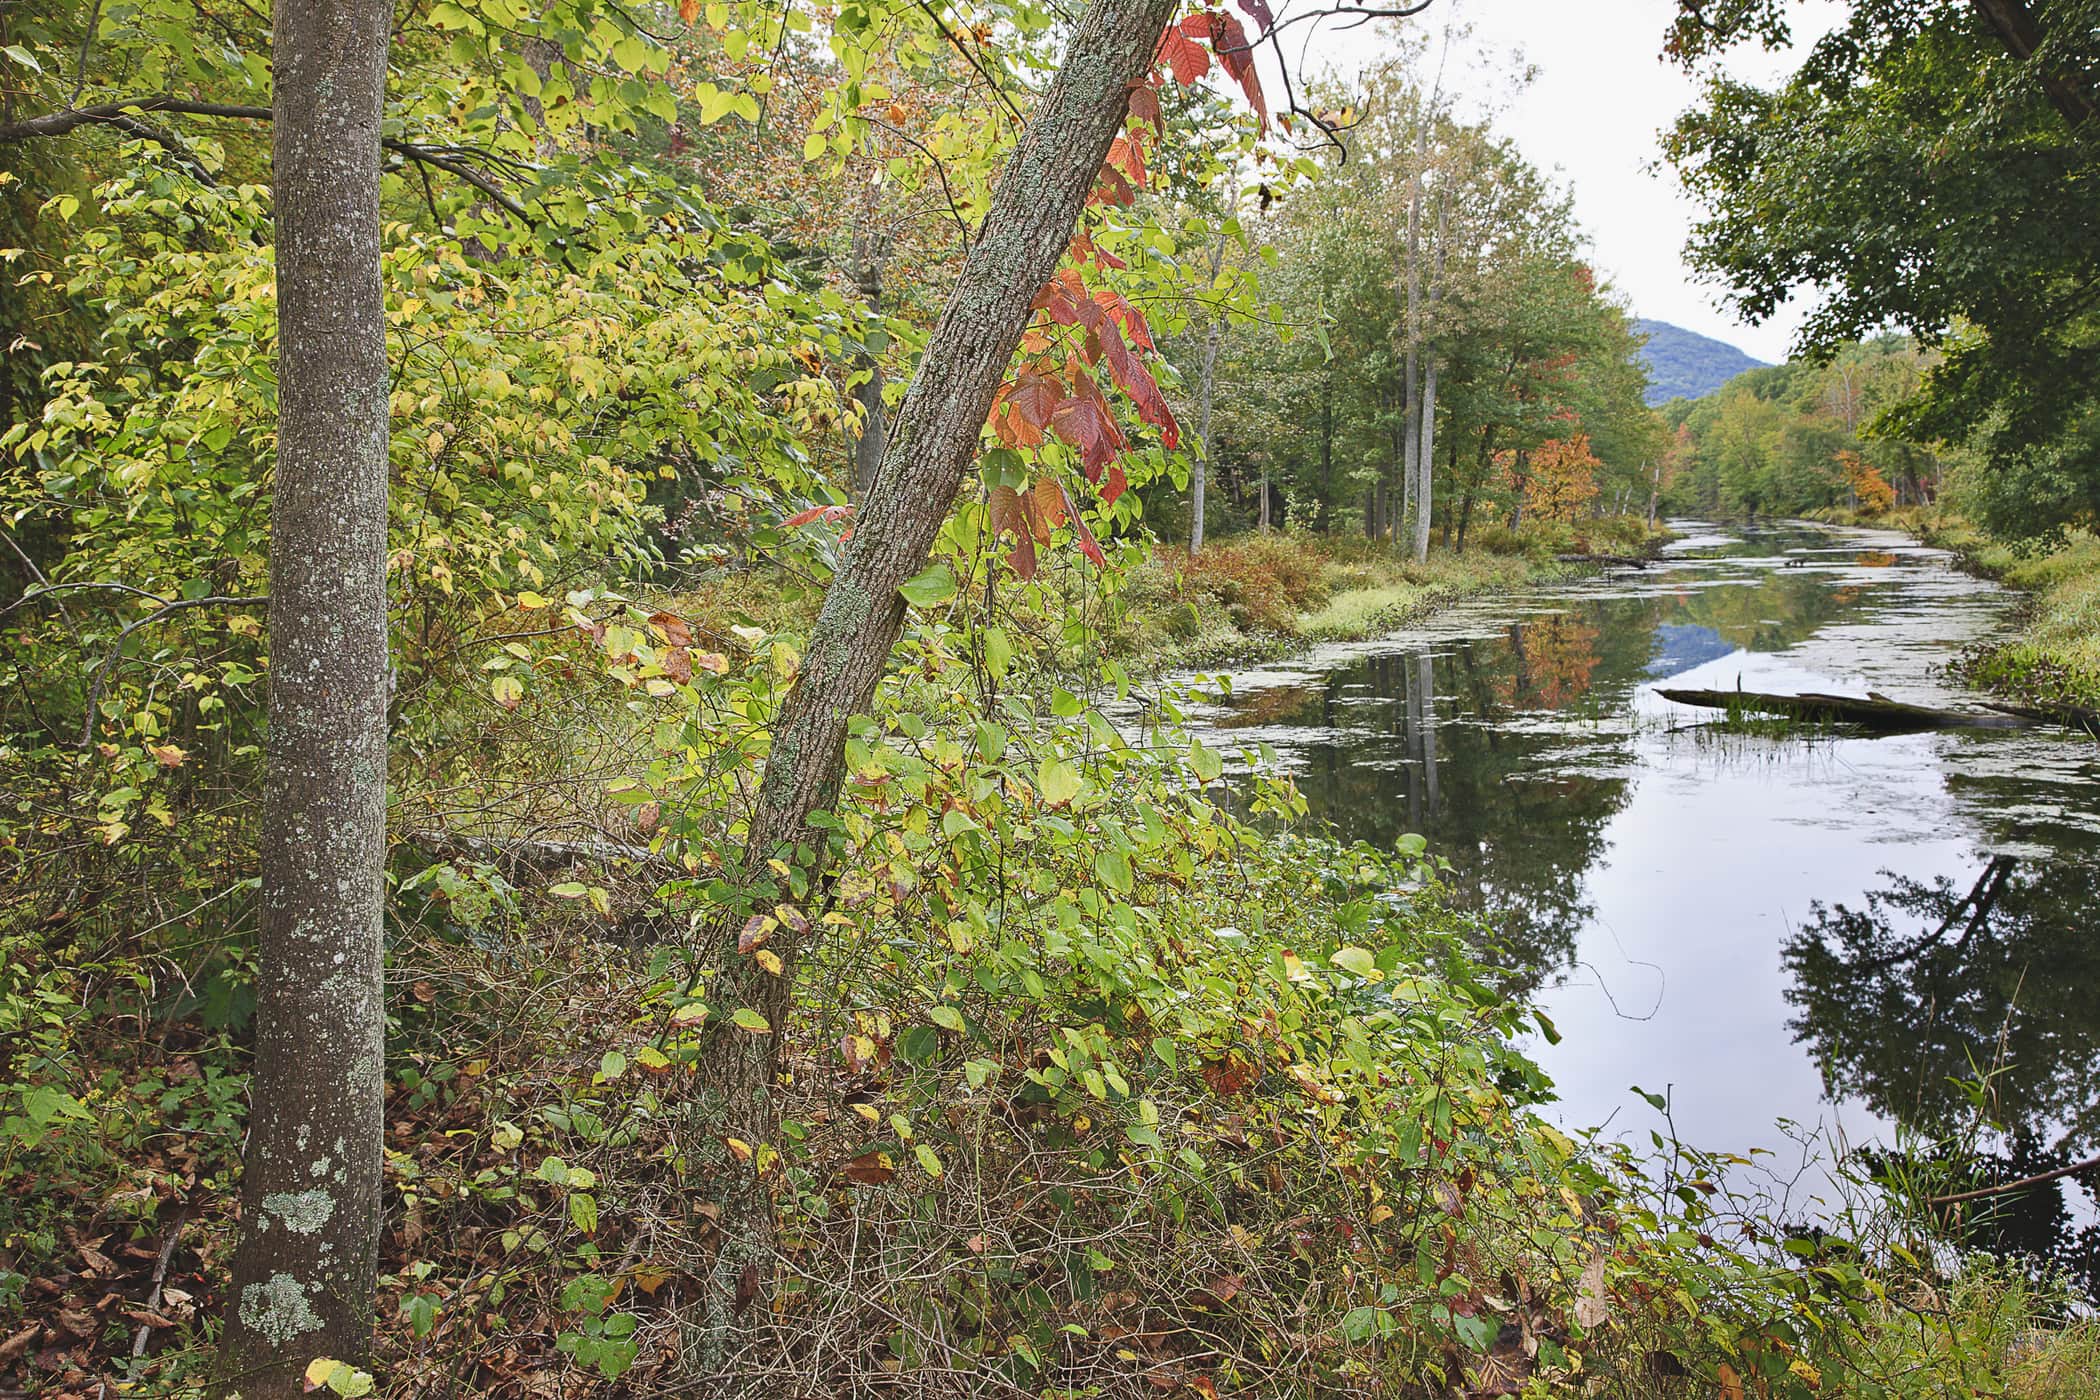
{"x": 1593, "y": 113}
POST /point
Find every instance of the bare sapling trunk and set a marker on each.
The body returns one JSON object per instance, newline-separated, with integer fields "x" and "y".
{"x": 1199, "y": 470}
{"x": 870, "y": 251}
{"x": 1425, "y": 453}
{"x": 303, "y": 1274}
{"x": 933, "y": 440}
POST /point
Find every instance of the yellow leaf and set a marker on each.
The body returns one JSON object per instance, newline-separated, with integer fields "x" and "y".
{"x": 769, "y": 960}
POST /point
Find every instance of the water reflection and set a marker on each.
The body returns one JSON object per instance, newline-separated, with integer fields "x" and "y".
{"x": 1946, "y": 1004}
{"x": 1706, "y": 911}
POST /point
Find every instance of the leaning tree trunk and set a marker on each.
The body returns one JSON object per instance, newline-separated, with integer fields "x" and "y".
{"x": 310, "y": 1188}
{"x": 933, "y": 439}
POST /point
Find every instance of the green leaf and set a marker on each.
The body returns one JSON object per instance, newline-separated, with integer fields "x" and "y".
{"x": 928, "y": 1160}
{"x": 919, "y": 1044}
{"x": 946, "y": 1017}
{"x": 583, "y": 1212}
{"x": 1114, "y": 869}
{"x": 1058, "y": 781}
{"x": 1166, "y": 1051}
{"x": 1357, "y": 961}
{"x": 1208, "y": 765}
{"x": 568, "y": 889}
{"x": 748, "y": 1020}
{"x": 935, "y": 585}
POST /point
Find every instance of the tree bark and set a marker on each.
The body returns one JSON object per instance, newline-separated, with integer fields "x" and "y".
{"x": 303, "y": 1274}
{"x": 1037, "y": 202}
{"x": 1425, "y": 459}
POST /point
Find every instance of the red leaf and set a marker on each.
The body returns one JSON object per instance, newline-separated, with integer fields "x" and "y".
{"x": 1010, "y": 513}
{"x": 1112, "y": 188}
{"x": 1115, "y": 486}
{"x": 1048, "y": 501}
{"x": 1083, "y": 249}
{"x": 1088, "y": 546}
{"x": 817, "y": 513}
{"x": 1087, "y": 426}
{"x": 1035, "y": 397}
{"x": 1013, "y": 429}
{"x": 1126, "y": 155}
{"x": 1236, "y": 56}
{"x": 1060, "y": 297}
{"x": 1144, "y": 105}
{"x": 1126, "y": 316}
{"x": 1258, "y": 11}
{"x": 1179, "y": 51}
{"x": 1130, "y": 373}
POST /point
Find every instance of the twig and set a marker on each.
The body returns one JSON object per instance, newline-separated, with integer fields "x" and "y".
{"x": 160, "y": 1279}
{"x": 2002, "y": 1187}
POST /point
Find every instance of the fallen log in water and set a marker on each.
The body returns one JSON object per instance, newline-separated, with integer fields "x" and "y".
{"x": 1871, "y": 711}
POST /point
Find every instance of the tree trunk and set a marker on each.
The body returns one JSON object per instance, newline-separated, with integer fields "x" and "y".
{"x": 869, "y": 254}
{"x": 1200, "y": 468}
{"x": 1425, "y": 454}
{"x": 1262, "y": 523}
{"x": 303, "y": 1274}
{"x": 1655, "y": 485}
{"x": 1034, "y": 207}
{"x": 1425, "y": 457}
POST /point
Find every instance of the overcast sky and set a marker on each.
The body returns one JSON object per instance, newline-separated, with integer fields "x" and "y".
{"x": 1599, "y": 99}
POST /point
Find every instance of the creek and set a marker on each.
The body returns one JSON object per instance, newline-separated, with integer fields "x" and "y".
{"x": 1794, "y": 936}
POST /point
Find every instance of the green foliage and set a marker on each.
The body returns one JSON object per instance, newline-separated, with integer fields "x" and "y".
{"x": 1920, "y": 169}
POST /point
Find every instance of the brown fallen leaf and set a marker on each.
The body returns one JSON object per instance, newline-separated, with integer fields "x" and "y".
{"x": 21, "y": 1341}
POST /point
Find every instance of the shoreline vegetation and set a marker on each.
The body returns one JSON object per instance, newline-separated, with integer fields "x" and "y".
{"x": 2052, "y": 657}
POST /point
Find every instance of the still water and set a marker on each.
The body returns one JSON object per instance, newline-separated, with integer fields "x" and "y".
{"x": 1771, "y": 929}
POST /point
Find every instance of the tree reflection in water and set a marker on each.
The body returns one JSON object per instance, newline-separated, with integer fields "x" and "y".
{"x": 1934, "y": 987}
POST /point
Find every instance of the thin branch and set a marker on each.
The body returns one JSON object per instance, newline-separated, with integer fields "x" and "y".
{"x": 116, "y": 648}
{"x": 2004, "y": 1186}
{"x": 971, "y": 59}
{"x": 124, "y": 115}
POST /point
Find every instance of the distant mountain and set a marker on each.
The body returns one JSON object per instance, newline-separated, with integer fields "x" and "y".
{"x": 1683, "y": 364}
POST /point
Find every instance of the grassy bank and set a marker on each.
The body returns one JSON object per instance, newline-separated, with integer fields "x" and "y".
{"x": 1260, "y": 596}
{"x": 2054, "y": 658}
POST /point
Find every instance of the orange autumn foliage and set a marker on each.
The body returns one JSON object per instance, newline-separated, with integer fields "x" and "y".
{"x": 1868, "y": 486}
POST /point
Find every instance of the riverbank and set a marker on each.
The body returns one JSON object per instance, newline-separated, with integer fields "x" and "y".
{"x": 1261, "y": 597}
{"x": 2053, "y": 659}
